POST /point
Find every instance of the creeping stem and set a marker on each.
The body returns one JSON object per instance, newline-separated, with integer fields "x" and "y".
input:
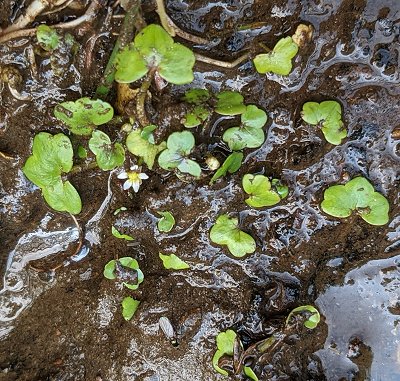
{"x": 141, "y": 99}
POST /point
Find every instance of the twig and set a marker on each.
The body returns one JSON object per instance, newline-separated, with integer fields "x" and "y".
{"x": 125, "y": 37}
{"x": 5, "y": 156}
{"x": 173, "y": 29}
{"x": 227, "y": 65}
{"x": 58, "y": 9}
{"x": 89, "y": 15}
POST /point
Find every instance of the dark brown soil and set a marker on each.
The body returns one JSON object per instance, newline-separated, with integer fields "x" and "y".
{"x": 70, "y": 326}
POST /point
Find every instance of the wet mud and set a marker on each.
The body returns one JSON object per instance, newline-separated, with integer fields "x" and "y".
{"x": 67, "y": 324}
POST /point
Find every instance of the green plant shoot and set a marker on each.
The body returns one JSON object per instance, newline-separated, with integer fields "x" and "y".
{"x": 279, "y": 60}
{"x": 47, "y": 37}
{"x": 125, "y": 269}
{"x": 118, "y": 235}
{"x": 357, "y": 195}
{"x": 129, "y": 307}
{"x": 166, "y": 222}
{"x": 231, "y": 164}
{"x": 327, "y": 115}
{"x": 312, "y": 321}
{"x": 226, "y": 232}
{"x": 153, "y": 49}
{"x": 225, "y": 344}
{"x": 173, "y": 262}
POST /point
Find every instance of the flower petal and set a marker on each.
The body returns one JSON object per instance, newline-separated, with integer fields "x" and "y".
{"x": 127, "y": 184}
{"x": 122, "y": 175}
{"x": 143, "y": 176}
{"x": 136, "y": 186}
{"x": 134, "y": 168}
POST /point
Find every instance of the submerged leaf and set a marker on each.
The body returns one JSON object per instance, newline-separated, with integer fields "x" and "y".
{"x": 329, "y": 115}
{"x": 129, "y": 307}
{"x": 226, "y": 232}
{"x": 172, "y": 261}
{"x": 83, "y": 115}
{"x": 356, "y": 195}
{"x": 279, "y": 60}
{"x": 166, "y": 222}
{"x": 108, "y": 155}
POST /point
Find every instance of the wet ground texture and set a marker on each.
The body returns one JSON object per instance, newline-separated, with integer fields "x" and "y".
{"x": 67, "y": 324}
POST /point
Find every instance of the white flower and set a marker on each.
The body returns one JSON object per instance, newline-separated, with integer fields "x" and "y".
{"x": 134, "y": 178}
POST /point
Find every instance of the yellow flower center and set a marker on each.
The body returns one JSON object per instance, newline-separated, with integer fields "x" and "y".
{"x": 133, "y": 177}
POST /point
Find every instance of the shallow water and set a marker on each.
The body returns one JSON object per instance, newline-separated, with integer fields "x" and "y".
{"x": 70, "y": 319}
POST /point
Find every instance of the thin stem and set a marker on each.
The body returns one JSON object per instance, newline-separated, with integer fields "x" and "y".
{"x": 125, "y": 37}
{"x": 141, "y": 99}
{"x": 5, "y": 156}
{"x": 173, "y": 29}
{"x": 227, "y": 65}
{"x": 81, "y": 168}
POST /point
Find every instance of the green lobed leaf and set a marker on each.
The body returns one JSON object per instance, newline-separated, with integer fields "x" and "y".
{"x": 129, "y": 307}
{"x": 231, "y": 164}
{"x": 254, "y": 117}
{"x": 230, "y": 103}
{"x": 279, "y": 188}
{"x": 153, "y": 48}
{"x": 63, "y": 197}
{"x": 279, "y": 60}
{"x": 117, "y": 234}
{"x": 259, "y": 189}
{"x": 329, "y": 115}
{"x": 225, "y": 344}
{"x": 83, "y": 115}
{"x": 141, "y": 144}
{"x": 173, "y": 262}
{"x": 312, "y": 321}
{"x": 196, "y": 116}
{"x": 196, "y": 96}
{"x": 47, "y": 37}
{"x": 226, "y": 232}
{"x": 51, "y": 156}
{"x": 166, "y": 222}
{"x": 123, "y": 270}
{"x": 82, "y": 152}
{"x": 108, "y": 155}
{"x": 358, "y": 195}
{"x": 189, "y": 166}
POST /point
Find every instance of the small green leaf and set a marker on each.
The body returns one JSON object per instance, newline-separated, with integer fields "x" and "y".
{"x": 129, "y": 307}
{"x": 259, "y": 189}
{"x": 47, "y": 37}
{"x": 166, "y": 222}
{"x": 225, "y": 344}
{"x": 329, "y": 115}
{"x": 231, "y": 164}
{"x": 195, "y": 117}
{"x": 117, "y": 234}
{"x": 312, "y": 320}
{"x": 125, "y": 269}
{"x": 356, "y": 195}
{"x": 141, "y": 144}
{"x": 154, "y": 49}
{"x": 119, "y": 210}
{"x": 83, "y": 115}
{"x": 196, "y": 96}
{"x": 226, "y": 232}
{"x": 179, "y": 145}
{"x": 279, "y": 60}
{"x": 279, "y": 188}
{"x": 82, "y": 152}
{"x": 108, "y": 155}
{"x": 250, "y": 373}
{"x": 173, "y": 262}
{"x": 63, "y": 197}
{"x": 230, "y": 103}
{"x": 250, "y": 134}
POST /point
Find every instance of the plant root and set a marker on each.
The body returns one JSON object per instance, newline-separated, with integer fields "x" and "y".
{"x": 173, "y": 30}
{"x": 224, "y": 64}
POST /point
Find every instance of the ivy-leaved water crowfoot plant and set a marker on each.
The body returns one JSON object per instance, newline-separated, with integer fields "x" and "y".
{"x": 141, "y": 143}
{"x": 262, "y": 191}
{"x": 173, "y": 262}
{"x": 226, "y": 231}
{"x": 231, "y": 164}
{"x": 250, "y": 133}
{"x": 230, "y": 103}
{"x": 166, "y": 222}
{"x": 279, "y": 60}
{"x": 108, "y": 155}
{"x": 225, "y": 344}
{"x": 199, "y": 111}
{"x": 356, "y": 195}
{"x": 124, "y": 269}
{"x": 327, "y": 115}
{"x": 83, "y": 115}
{"x": 154, "y": 50}
{"x": 47, "y": 37}
{"x": 133, "y": 178}
{"x": 179, "y": 146}
{"x": 51, "y": 157}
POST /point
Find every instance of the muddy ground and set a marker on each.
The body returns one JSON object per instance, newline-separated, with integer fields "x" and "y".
{"x": 67, "y": 324}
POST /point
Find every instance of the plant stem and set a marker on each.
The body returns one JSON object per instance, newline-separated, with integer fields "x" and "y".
{"x": 125, "y": 37}
{"x": 228, "y": 65}
{"x": 141, "y": 99}
{"x": 81, "y": 168}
